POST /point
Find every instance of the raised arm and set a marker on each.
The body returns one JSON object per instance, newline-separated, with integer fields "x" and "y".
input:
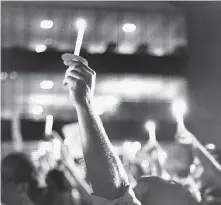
{"x": 105, "y": 170}
{"x": 211, "y": 167}
{"x": 72, "y": 171}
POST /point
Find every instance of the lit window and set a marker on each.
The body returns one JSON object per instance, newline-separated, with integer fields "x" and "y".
{"x": 126, "y": 48}
{"x": 96, "y": 48}
{"x": 47, "y": 84}
{"x": 40, "y": 48}
{"x": 37, "y": 110}
{"x": 46, "y": 24}
{"x": 129, "y": 27}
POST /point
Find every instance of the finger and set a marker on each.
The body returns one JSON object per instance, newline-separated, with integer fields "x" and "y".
{"x": 79, "y": 76}
{"x": 70, "y": 81}
{"x": 89, "y": 69}
{"x": 72, "y": 63}
{"x": 81, "y": 70}
{"x": 69, "y": 56}
{"x": 76, "y": 74}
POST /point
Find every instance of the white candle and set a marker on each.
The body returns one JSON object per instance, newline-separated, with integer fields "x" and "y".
{"x": 151, "y": 128}
{"x": 48, "y": 124}
{"x": 81, "y": 25}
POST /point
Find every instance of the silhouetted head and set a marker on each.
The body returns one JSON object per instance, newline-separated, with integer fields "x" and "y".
{"x": 56, "y": 180}
{"x": 157, "y": 191}
{"x": 18, "y": 178}
{"x": 111, "y": 47}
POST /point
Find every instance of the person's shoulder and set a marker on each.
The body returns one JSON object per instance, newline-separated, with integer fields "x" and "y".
{"x": 128, "y": 198}
{"x": 166, "y": 189}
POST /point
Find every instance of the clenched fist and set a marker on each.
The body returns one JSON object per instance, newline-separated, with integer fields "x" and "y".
{"x": 79, "y": 78}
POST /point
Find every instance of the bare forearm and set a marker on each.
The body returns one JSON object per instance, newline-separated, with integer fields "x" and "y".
{"x": 105, "y": 170}
{"x": 84, "y": 188}
{"x": 217, "y": 178}
{"x": 211, "y": 166}
{"x": 215, "y": 171}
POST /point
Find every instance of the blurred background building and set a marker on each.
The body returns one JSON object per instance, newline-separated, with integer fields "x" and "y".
{"x": 138, "y": 49}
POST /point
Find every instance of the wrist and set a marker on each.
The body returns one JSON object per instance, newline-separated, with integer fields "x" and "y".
{"x": 83, "y": 104}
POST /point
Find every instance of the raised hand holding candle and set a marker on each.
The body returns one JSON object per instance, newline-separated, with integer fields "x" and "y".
{"x": 179, "y": 109}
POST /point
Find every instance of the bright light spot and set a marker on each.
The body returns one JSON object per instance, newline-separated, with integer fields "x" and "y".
{"x": 105, "y": 103}
{"x": 129, "y": 27}
{"x": 49, "y": 118}
{"x": 136, "y": 146}
{"x": 46, "y": 24}
{"x": 47, "y": 99}
{"x": 47, "y": 84}
{"x": 210, "y": 146}
{"x": 179, "y": 108}
{"x": 81, "y": 23}
{"x": 171, "y": 91}
{"x": 99, "y": 110}
{"x": 13, "y": 75}
{"x": 4, "y": 75}
{"x": 192, "y": 168}
{"x": 158, "y": 51}
{"x": 37, "y": 110}
{"x": 40, "y": 48}
{"x": 127, "y": 146}
{"x": 131, "y": 86}
{"x": 126, "y": 48}
{"x": 150, "y": 125}
{"x": 96, "y": 48}
{"x": 67, "y": 141}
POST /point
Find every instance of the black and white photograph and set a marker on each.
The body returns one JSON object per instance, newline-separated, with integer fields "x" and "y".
{"x": 110, "y": 102}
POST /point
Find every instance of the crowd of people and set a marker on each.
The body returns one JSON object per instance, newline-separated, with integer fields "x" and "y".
{"x": 106, "y": 181}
